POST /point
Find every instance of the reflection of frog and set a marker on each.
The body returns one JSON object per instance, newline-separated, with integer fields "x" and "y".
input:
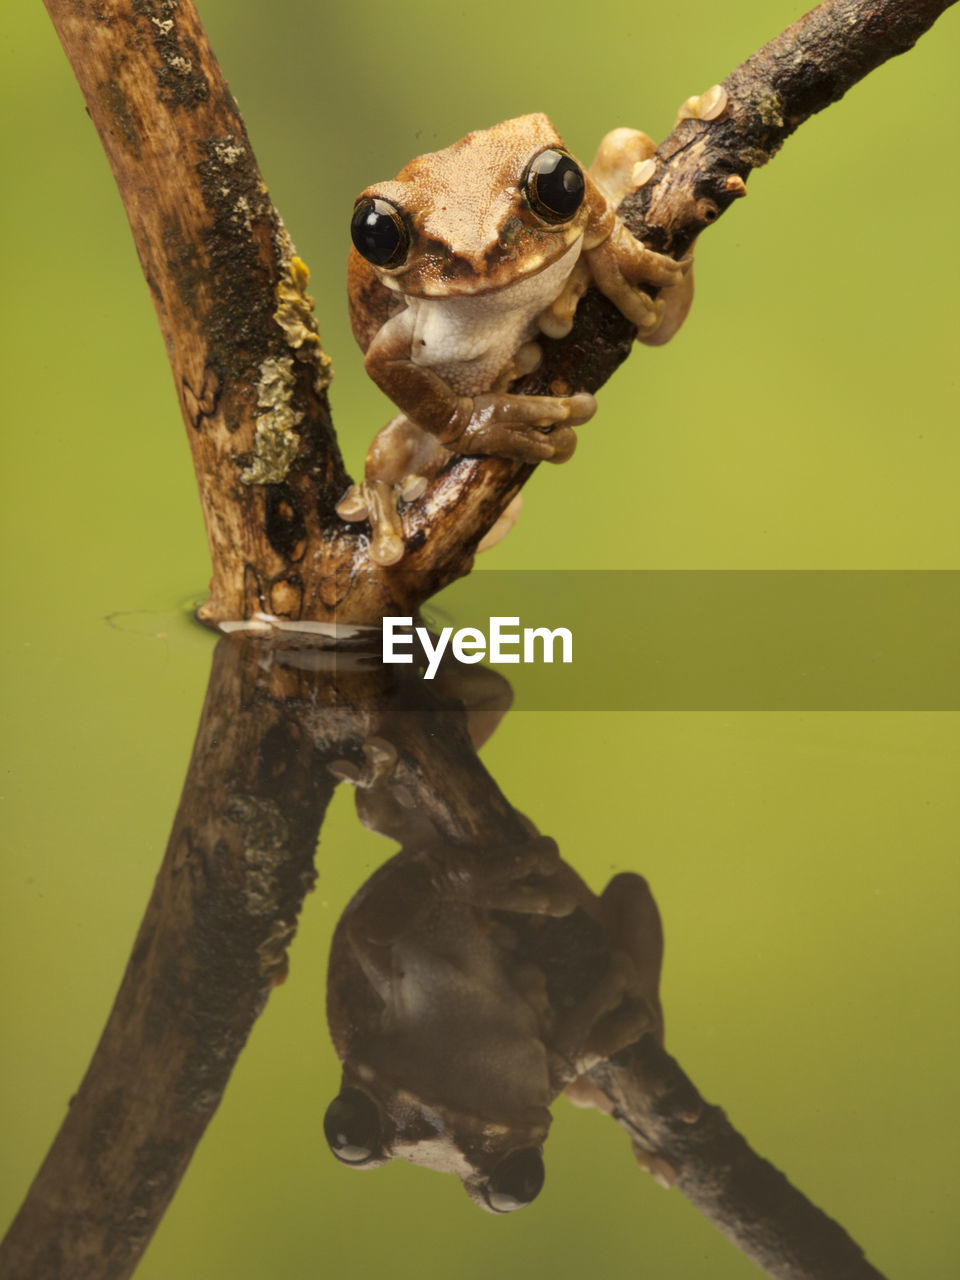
{"x": 450, "y": 1007}
{"x": 459, "y": 263}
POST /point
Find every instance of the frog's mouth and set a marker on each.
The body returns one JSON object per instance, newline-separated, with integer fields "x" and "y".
{"x": 440, "y": 273}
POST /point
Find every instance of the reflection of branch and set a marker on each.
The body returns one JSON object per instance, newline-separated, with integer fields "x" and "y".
{"x": 231, "y": 295}
{"x": 211, "y": 946}
{"x": 742, "y": 1194}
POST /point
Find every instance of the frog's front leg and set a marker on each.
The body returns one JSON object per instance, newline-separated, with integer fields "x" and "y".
{"x": 522, "y": 428}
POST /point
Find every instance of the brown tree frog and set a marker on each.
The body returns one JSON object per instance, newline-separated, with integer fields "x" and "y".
{"x": 458, "y": 264}
{"x": 466, "y": 989}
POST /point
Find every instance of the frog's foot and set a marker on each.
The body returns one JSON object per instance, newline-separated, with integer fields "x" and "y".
{"x": 704, "y": 106}
{"x": 622, "y": 265}
{"x": 524, "y": 428}
{"x": 613, "y": 1015}
{"x": 624, "y": 161}
{"x": 379, "y": 763}
{"x": 383, "y": 804}
{"x": 505, "y": 521}
{"x": 353, "y": 505}
{"x": 376, "y": 501}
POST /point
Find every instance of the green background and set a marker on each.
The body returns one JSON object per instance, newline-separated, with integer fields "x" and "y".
{"x": 805, "y": 864}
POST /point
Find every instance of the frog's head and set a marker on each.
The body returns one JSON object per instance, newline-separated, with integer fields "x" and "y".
{"x": 497, "y": 207}
{"x": 500, "y": 1164}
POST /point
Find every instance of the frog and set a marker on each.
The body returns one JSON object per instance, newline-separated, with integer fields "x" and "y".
{"x": 454, "y": 1029}
{"x": 458, "y": 265}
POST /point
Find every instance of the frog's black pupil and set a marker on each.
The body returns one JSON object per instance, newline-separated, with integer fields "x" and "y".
{"x": 378, "y": 232}
{"x": 555, "y": 185}
{"x": 352, "y": 1127}
{"x": 516, "y": 1181}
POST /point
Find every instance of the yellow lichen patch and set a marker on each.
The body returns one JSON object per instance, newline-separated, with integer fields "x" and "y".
{"x": 294, "y": 313}
{"x": 275, "y": 440}
{"x": 770, "y": 107}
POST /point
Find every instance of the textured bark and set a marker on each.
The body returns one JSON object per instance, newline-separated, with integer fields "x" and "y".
{"x": 744, "y": 1196}
{"x": 231, "y": 295}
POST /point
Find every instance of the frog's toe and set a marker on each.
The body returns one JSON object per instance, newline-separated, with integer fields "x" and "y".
{"x": 353, "y": 505}
{"x": 705, "y": 106}
{"x": 387, "y": 548}
{"x": 412, "y": 487}
{"x": 560, "y": 446}
{"x": 527, "y": 358}
{"x": 582, "y": 408}
{"x": 386, "y": 541}
{"x": 502, "y": 526}
{"x": 642, "y": 310}
{"x": 620, "y": 154}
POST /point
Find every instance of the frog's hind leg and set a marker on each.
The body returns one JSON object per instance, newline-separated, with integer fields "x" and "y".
{"x": 399, "y": 465}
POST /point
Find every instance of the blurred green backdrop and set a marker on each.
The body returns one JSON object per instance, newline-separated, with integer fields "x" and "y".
{"x": 805, "y": 418}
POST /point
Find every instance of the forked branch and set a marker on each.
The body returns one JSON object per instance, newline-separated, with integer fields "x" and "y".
{"x": 231, "y": 297}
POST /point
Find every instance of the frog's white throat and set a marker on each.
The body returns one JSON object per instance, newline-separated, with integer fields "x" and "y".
{"x": 471, "y": 338}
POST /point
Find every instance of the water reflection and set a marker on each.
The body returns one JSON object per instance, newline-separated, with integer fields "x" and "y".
{"x": 466, "y": 989}
{"x": 472, "y": 978}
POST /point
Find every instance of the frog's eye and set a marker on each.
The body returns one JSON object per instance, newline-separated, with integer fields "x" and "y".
{"x": 352, "y": 1127}
{"x": 516, "y": 1181}
{"x": 553, "y": 184}
{"x": 379, "y": 232}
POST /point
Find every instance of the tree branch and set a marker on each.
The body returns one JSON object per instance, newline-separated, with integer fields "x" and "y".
{"x": 231, "y": 297}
